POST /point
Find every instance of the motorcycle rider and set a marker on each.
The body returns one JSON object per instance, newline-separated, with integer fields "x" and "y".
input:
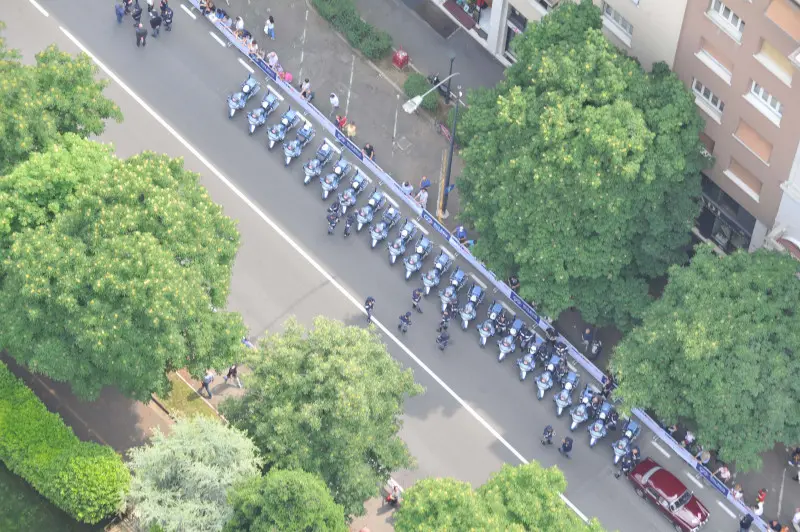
{"x": 405, "y": 322}
{"x": 416, "y": 298}
{"x": 547, "y": 435}
{"x": 613, "y": 417}
{"x": 333, "y": 219}
{"x": 526, "y": 337}
{"x": 369, "y": 304}
{"x": 445, "y": 323}
{"x": 625, "y": 465}
{"x": 348, "y": 224}
{"x": 442, "y": 340}
{"x": 501, "y": 323}
{"x": 166, "y": 15}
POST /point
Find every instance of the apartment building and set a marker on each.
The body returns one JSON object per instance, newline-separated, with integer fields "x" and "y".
{"x": 740, "y": 58}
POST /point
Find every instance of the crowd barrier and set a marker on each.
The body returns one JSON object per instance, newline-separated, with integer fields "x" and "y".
{"x": 500, "y": 286}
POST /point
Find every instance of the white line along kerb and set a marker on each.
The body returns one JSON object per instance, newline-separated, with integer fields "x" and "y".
{"x": 303, "y": 253}
{"x": 248, "y": 67}
{"x": 39, "y": 8}
{"x": 188, "y": 11}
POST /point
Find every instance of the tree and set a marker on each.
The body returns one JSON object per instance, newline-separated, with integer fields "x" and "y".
{"x": 285, "y": 500}
{"x": 328, "y": 401}
{"x": 721, "y": 350}
{"x": 525, "y": 497}
{"x": 59, "y": 94}
{"x": 181, "y": 481}
{"x": 113, "y": 270}
{"x": 581, "y": 170}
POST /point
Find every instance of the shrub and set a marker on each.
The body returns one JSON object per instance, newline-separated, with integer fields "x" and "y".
{"x": 377, "y": 44}
{"x": 417, "y": 84}
{"x": 344, "y": 17}
{"x": 86, "y": 480}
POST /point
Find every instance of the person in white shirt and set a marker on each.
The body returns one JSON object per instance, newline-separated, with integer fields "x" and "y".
{"x": 334, "y": 103}
{"x": 239, "y": 24}
{"x": 796, "y": 520}
{"x": 422, "y": 198}
{"x": 407, "y": 187}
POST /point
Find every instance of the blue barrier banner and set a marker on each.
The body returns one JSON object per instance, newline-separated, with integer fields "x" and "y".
{"x": 439, "y": 228}
{"x": 342, "y": 138}
{"x": 711, "y": 479}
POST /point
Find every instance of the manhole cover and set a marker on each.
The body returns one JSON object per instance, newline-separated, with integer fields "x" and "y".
{"x": 403, "y": 143}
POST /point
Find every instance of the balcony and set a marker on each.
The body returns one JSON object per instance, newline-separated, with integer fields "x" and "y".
{"x": 786, "y": 15}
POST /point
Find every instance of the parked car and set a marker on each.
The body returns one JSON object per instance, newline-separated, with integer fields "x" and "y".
{"x": 669, "y": 495}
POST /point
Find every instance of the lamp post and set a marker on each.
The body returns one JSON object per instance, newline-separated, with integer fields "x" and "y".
{"x": 446, "y": 194}
{"x": 411, "y": 105}
{"x": 449, "y": 75}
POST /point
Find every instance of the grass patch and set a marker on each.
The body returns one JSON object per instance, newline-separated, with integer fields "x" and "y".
{"x": 183, "y": 400}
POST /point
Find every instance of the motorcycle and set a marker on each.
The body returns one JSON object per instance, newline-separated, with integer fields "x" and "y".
{"x": 526, "y": 336}
{"x": 342, "y": 168}
{"x": 563, "y": 398}
{"x": 548, "y": 377}
{"x": 486, "y": 330}
{"x": 380, "y": 230}
{"x": 277, "y": 132}
{"x": 238, "y": 100}
{"x": 292, "y": 149}
{"x": 258, "y": 116}
{"x": 470, "y": 310}
{"x": 349, "y": 197}
{"x": 313, "y": 168}
{"x": 526, "y": 365}
{"x": 507, "y": 345}
{"x": 398, "y": 247}
{"x": 448, "y": 296}
{"x": 580, "y": 412}
{"x": 366, "y": 213}
{"x": 458, "y": 278}
{"x": 622, "y": 446}
{"x": 434, "y": 275}
{"x": 597, "y": 431}
{"x": 414, "y": 262}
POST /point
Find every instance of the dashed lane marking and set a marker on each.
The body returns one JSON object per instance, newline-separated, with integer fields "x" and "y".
{"x": 248, "y": 67}
{"x": 217, "y": 38}
{"x": 188, "y": 12}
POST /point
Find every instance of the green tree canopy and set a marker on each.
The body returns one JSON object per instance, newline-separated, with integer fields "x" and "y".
{"x": 519, "y": 498}
{"x": 59, "y": 94}
{"x": 328, "y": 401}
{"x": 113, "y": 269}
{"x": 581, "y": 170}
{"x": 285, "y": 500}
{"x": 181, "y": 481}
{"x": 721, "y": 350}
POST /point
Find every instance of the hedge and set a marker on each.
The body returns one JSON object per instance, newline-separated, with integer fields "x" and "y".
{"x": 86, "y": 480}
{"x": 417, "y": 84}
{"x": 343, "y": 16}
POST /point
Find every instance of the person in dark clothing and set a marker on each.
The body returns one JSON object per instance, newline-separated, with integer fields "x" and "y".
{"x": 127, "y": 4}
{"x": 745, "y": 523}
{"x": 774, "y": 525}
{"x": 625, "y": 466}
{"x": 348, "y": 224}
{"x": 167, "y": 16}
{"x": 513, "y": 283}
{"x": 333, "y": 219}
{"x": 608, "y": 386}
{"x": 405, "y": 323}
{"x": 566, "y": 447}
{"x": 442, "y": 340}
{"x": 155, "y": 23}
{"x": 119, "y": 10}
{"x": 163, "y": 5}
{"x": 369, "y": 304}
{"x": 547, "y": 435}
{"x": 141, "y": 35}
{"x": 136, "y": 14}
{"x": 416, "y": 298}
{"x": 445, "y": 323}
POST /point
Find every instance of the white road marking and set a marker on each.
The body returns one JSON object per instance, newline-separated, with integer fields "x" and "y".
{"x": 424, "y": 231}
{"x": 694, "y": 479}
{"x": 302, "y": 47}
{"x": 727, "y": 511}
{"x": 273, "y": 91}
{"x": 505, "y": 306}
{"x": 449, "y": 253}
{"x": 248, "y": 67}
{"x": 475, "y": 278}
{"x": 39, "y": 8}
{"x": 392, "y": 201}
{"x": 302, "y": 252}
{"x": 663, "y": 451}
{"x": 188, "y": 11}
{"x": 350, "y": 86}
{"x": 330, "y": 143}
{"x": 217, "y": 38}
{"x": 780, "y": 497}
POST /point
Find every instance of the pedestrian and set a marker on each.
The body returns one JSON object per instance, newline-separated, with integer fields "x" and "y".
{"x": 334, "y": 105}
{"x": 794, "y": 461}
{"x": 208, "y": 378}
{"x": 136, "y": 14}
{"x": 703, "y": 457}
{"x": 796, "y": 520}
{"x": 442, "y": 340}
{"x": 233, "y": 373}
{"x": 609, "y": 385}
{"x": 566, "y": 447}
{"x": 269, "y": 27}
{"x": 350, "y": 130}
{"x": 723, "y": 474}
{"x": 745, "y": 522}
{"x": 762, "y": 496}
{"x": 774, "y": 525}
{"x": 120, "y": 11}
{"x": 305, "y": 88}
{"x": 737, "y": 493}
{"x": 407, "y": 188}
{"x": 758, "y": 509}
{"x": 163, "y": 6}
{"x": 513, "y": 283}
{"x": 141, "y": 35}
{"x": 424, "y": 183}
{"x": 247, "y": 343}
{"x": 461, "y": 234}
{"x": 167, "y": 16}
{"x": 416, "y": 298}
{"x": 547, "y": 435}
{"x": 127, "y": 4}
{"x": 369, "y": 304}
{"x": 422, "y": 198}
{"x": 155, "y": 23}
{"x": 149, "y": 6}
{"x": 405, "y": 322}
{"x": 625, "y": 466}
{"x": 445, "y": 322}
{"x": 239, "y": 24}
{"x": 586, "y": 338}
{"x": 341, "y": 121}
{"x": 688, "y": 439}
{"x": 368, "y": 151}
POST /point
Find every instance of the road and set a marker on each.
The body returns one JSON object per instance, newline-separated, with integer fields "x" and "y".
{"x": 475, "y": 415}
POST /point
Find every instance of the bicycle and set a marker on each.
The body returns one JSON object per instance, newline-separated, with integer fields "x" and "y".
{"x": 442, "y": 129}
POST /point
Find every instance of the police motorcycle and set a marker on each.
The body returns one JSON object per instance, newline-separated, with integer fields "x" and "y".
{"x": 526, "y": 336}
{"x": 623, "y": 445}
{"x": 549, "y": 376}
{"x": 380, "y": 230}
{"x": 349, "y": 197}
{"x": 470, "y": 310}
{"x": 563, "y": 398}
{"x": 450, "y": 297}
{"x": 414, "y": 262}
{"x": 366, "y": 213}
{"x": 294, "y": 148}
{"x": 331, "y": 181}
{"x": 526, "y": 365}
{"x": 433, "y": 276}
{"x": 277, "y": 132}
{"x": 599, "y": 427}
{"x": 508, "y": 344}
{"x": 238, "y": 100}
{"x": 258, "y": 116}
{"x": 398, "y": 247}
{"x": 313, "y": 168}
{"x": 580, "y": 412}
{"x": 488, "y": 328}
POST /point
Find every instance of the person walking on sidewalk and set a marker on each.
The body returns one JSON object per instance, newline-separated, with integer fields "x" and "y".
{"x": 369, "y": 304}
{"x": 208, "y": 378}
{"x": 150, "y": 6}
{"x": 587, "y": 337}
{"x": 269, "y": 27}
{"x": 155, "y": 23}
{"x": 416, "y": 298}
{"x": 141, "y": 35}
{"x": 405, "y": 323}
{"x": 233, "y": 373}
{"x": 167, "y": 17}
{"x": 120, "y": 12}
{"x": 334, "y": 106}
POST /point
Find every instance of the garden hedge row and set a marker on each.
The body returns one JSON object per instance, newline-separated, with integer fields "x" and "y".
{"x": 86, "y": 480}
{"x": 416, "y": 84}
{"x": 343, "y": 15}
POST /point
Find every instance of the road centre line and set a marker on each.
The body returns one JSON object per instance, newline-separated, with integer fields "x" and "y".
{"x": 39, "y": 8}
{"x": 216, "y": 38}
{"x": 188, "y": 11}
{"x": 248, "y": 67}
{"x": 303, "y": 253}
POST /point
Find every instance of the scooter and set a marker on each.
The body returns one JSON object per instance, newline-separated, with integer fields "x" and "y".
{"x": 258, "y": 116}
{"x": 277, "y": 132}
{"x": 434, "y": 275}
{"x": 507, "y": 345}
{"x": 597, "y": 431}
{"x": 486, "y": 331}
{"x": 313, "y": 168}
{"x": 563, "y": 398}
{"x": 294, "y": 148}
{"x": 526, "y": 365}
{"x": 238, "y": 100}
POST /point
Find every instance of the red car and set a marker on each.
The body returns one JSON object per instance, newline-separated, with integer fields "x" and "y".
{"x": 669, "y": 495}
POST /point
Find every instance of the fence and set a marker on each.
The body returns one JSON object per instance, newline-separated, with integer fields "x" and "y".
{"x": 500, "y": 286}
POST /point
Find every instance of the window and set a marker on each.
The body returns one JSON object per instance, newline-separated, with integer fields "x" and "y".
{"x": 715, "y": 61}
{"x": 618, "y": 21}
{"x": 786, "y": 16}
{"x": 753, "y": 141}
{"x": 776, "y": 62}
{"x": 767, "y": 98}
{"x": 707, "y": 100}
{"x": 726, "y": 19}
{"x": 744, "y": 180}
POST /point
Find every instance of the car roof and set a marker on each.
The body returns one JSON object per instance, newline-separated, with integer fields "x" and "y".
{"x": 660, "y": 479}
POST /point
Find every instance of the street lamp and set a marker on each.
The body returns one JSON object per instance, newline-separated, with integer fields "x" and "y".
{"x": 411, "y": 105}
{"x": 452, "y": 59}
{"x": 450, "y": 156}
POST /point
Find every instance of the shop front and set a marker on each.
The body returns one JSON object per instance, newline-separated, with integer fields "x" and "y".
{"x": 722, "y": 221}
{"x": 515, "y": 25}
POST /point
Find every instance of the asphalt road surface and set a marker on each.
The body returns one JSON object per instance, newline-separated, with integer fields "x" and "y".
{"x": 475, "y": 414}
